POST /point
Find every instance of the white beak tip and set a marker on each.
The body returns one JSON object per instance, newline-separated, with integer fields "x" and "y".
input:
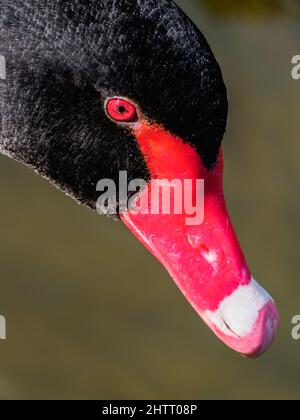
{"x": 247, "y": 320}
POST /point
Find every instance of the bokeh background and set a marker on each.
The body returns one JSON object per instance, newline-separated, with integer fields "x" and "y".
{"x": 91, "y": 314}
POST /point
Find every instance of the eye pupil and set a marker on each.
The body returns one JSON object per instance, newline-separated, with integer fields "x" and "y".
{"x": 121, "y": 110}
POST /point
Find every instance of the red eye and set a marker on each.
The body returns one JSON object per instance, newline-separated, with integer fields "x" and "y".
{"x": 121, "y": 110}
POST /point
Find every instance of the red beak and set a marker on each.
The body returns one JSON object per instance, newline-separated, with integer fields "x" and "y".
{"x": 203, "y": 257}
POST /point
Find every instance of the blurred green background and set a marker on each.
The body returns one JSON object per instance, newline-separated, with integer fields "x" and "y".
{"x": 91, "y": 314}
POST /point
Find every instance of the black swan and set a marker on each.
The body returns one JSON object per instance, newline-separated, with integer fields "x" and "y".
{"x": 95, "y": 88}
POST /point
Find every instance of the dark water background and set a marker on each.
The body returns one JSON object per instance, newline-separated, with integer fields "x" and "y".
{"x": 91, "y": 314}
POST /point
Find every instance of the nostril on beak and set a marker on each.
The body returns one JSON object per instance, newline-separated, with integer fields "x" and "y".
{"x": 208, "y": 254}
{"x": 203, "y": 249}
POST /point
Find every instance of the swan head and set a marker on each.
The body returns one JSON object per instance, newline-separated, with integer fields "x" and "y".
{"x": 97, "y": 87}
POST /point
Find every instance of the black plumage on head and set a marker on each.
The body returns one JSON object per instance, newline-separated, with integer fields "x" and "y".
{"x": 65, "y": 57}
